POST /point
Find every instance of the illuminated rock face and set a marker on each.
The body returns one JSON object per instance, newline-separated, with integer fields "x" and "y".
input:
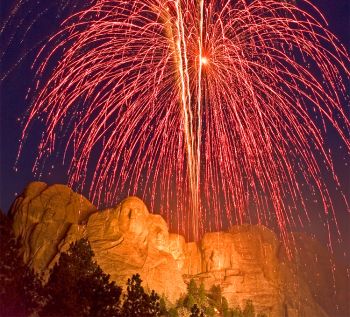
{"x": 48, "y": 218}
{"x": 126, "y": 239}
{"x": 247, "y": 261}
{"x": 244, "y": 262}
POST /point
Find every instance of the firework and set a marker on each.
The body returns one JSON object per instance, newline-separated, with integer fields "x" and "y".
{"x": 20, "y": 36}
{"x": 201, "y": 107}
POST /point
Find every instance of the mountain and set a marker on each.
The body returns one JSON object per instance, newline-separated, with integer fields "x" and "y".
{"x": 249, "y": 262}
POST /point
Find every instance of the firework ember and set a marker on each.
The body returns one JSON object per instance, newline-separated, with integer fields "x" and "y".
{"x": 200, "y": 106}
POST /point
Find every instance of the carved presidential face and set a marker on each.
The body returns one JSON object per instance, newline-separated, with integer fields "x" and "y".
{"x": 176, "y": 248}
{"x": 216, "y": 251}
{"x": 158, "y": 233}
{"x": 133, "y": 217}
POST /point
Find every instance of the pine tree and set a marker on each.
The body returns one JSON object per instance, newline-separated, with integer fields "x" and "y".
{"x": 210, "y": 311}
{"x": 21, "y": 291}
{"x": 202, "y": 296}
{"x": 249, "y": 310}
{"x": 192, "y": 287}
{"x": 189, "y": 301}
{"x": 173, "y": 312}
{"x": 217, "y": 300}
{"x": 137, "y": 303}
{"x": 192, "y": 295}
{"x": 162, "y": 306}
{"x": 196, "y": 312}
{"x": 237, "y": 312}
{"x": 77, "y": 286}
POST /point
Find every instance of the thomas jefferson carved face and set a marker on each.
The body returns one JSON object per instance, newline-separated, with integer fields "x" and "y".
{"x": 158, "y": 233}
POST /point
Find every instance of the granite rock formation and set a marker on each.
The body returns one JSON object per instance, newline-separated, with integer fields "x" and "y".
{"x": 248, "y": 261}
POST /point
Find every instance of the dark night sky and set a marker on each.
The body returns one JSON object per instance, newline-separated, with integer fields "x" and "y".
{"x": 19, "y": 78}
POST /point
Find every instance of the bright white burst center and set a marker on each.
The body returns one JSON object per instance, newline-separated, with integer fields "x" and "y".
{"x": 205, "y": 60}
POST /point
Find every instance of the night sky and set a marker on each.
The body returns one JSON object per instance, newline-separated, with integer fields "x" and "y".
{"x": 20, "y": 39}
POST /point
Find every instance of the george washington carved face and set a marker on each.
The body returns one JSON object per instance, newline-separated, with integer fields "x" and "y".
{"x": 133, "y": 217}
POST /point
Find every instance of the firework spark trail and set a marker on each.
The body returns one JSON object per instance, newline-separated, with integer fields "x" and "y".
{"x": 19, "y": 23}
{"x": 207, "y": 105}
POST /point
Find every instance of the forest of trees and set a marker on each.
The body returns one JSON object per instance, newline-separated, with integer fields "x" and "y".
{"x": 202, "y": 303}
{"x": 78, "y": 287}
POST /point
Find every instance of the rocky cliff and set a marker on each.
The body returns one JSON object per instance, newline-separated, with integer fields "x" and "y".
{"x": 248, "y": 262}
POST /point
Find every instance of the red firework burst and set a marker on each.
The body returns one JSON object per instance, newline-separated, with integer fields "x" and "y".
{"x": 202, "y": 107}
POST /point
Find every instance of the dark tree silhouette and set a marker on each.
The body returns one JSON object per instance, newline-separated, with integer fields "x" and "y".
{"x": 217, "y": 300}
{"x": 249, "y": 310}
{"x": 192, "y": 296}
{"x": 21, "y": 291}
{"x": 137, "y": 303}
{"x": 77, "y": 286}
{"x": 196, "y": 312}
